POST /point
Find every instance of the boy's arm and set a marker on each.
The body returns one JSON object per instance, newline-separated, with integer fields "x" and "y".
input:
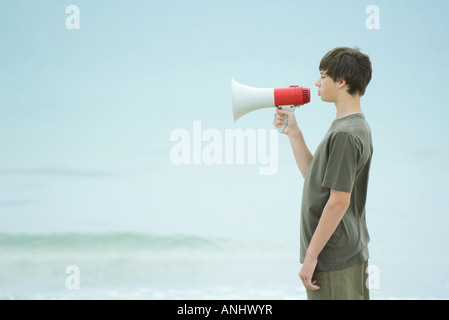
{"x": 333, "y": 212}
{"x": 302, "y": 154}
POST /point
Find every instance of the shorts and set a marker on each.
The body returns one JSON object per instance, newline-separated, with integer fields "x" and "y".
{"x": 346, "y": 284}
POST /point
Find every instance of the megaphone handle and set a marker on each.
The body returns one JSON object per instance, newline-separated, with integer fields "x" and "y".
{"x": 291, "y": 108}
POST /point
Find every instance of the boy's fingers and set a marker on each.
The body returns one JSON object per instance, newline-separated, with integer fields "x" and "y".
{"x": 282, "y": 111}
{"x": 278, "y": 116}
{"x": 279, "y": 121}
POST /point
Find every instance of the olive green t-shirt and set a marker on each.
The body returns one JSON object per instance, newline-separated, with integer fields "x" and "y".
{"x": 341, "y": 162}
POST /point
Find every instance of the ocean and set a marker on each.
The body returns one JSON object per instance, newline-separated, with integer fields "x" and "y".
{"x": 143, "y": 266}
{"x": 127, "y": 236}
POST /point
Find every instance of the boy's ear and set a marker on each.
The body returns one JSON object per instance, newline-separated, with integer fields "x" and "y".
{"x": 341, "y": 83}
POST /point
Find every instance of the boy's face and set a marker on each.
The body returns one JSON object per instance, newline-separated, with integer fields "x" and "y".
{"x": 327, "y": 88}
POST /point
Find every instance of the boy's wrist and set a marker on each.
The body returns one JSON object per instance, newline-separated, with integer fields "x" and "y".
{"x": 310, "y": 255}
{"x": 294, "y": 133}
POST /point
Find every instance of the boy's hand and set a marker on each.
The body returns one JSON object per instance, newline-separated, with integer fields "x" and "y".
{"x": 279, "y": 120}
{"x": 306, "y": 274}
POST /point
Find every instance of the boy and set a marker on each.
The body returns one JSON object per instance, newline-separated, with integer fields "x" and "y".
{"x": 334, "y": 235}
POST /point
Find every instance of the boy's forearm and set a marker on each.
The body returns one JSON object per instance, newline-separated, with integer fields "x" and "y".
{"x": 302, "y": 154}
{"x": 332, "y": 214}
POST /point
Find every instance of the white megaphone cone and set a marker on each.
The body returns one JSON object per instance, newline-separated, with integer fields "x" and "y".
{"x": 247, "y": 99}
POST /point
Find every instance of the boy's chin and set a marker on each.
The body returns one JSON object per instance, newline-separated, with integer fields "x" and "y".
{"x": 326, "y": 99}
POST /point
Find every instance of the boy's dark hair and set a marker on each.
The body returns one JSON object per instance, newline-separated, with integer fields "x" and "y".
{"x": 350, "y": 65}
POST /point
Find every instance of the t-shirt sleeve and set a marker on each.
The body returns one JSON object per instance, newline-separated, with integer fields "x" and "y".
{"x": 343, "y": 155}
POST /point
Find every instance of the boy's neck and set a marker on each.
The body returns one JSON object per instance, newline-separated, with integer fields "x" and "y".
{"x": 347, "y": 105}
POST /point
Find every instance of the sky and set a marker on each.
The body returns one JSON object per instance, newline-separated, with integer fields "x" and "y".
{"x": 86, "y": 114}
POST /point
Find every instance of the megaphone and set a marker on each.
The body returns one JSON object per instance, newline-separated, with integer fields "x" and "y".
{"x": 247, "y": 99}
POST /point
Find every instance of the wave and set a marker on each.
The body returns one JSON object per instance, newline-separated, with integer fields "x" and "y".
{"x": 122, "y": 265}
{"x": 133, "y": 246}
{"x": 107, "y": 239}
